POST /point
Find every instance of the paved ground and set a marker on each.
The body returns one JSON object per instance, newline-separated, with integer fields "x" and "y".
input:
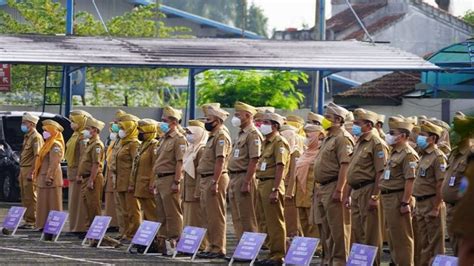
{"x": 27, "y": 249}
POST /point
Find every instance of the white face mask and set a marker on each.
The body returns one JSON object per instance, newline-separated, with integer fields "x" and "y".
{"x": 390, "y": 139}
{"x": 122, "y": 134}
{"x": 113, "y": 136}
{"x": 190, "y": 138}
{"x": 266, "y": 129}
{"x": 86, "y": 134}
{"x": 46, "y": 135}
{"x": 236, "y": 122}
{"x": 306, "y": 141}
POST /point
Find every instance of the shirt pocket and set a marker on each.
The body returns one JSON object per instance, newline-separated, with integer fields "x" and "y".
{"x": 423, "y": 169}
{"x": 169, "y": 147}
{"x": 460, "y": 168}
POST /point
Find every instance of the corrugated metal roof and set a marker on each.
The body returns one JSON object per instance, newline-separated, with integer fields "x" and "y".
{"x": 207, "y": 53}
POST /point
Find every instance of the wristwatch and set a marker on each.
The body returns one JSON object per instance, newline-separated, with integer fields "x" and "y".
{"x": 274, "y": 189}
{"x": 404, "y": 204}
{"x": 374, "y": 197}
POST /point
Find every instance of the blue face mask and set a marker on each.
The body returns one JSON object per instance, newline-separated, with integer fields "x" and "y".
{"x": 356, "y": 130}
{"x": 24, "y": 128}
{"x": 115, "y": 128}
{"x": 422, "y": 141}
{"x": 165, "y": 127}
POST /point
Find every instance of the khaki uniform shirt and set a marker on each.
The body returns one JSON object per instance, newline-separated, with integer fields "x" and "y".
{"x": 79, "y": 149}
{"x": 191, "y": 189}
{"x": 431, "y": 169}
{"x": 368, "y": 160}
{"x": 170, "y": 151}
{"x": 51, "y": 168}
{"x": 246, "y": 146}
{"x": 124, "y": 162}
{"x": 112, "y": 163}
{"x": 275, "y": 150}
{"x": 400, "y": 167}
{"x": 290, "y": 178}
{"x": 335, "y": 150}
{"x": 93, "y": 154}
{"x": 454, "y": 173}
{"x": 32, "y": 144}
{"x": 142, "y": 174}
{"x": 218, "y": 145}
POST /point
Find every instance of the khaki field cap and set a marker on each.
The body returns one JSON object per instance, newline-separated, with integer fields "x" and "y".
{"x": 274, "y": 117}
{"x": 295, "y": 118}
{"x": 315, "y": 117}
{"x": 412, "y": 119}
{"x": 30, "y": 118}
{"x": 363, "y": 114}
{"x": 381, "y": 118}
{"x": 128, "y": 117}
{"x": 92, "y": 122}
{"x": 52, "y": 123}
{"x": 196, "y": 123}
{"x": 206, "y": 106}
{"x": 147, "y": 122}
{"x": 440, "y": 123}
{"x": 169, "y": 111}
{"x": 429, "y": 127}
{"x": 335, "y": 109}
{"x": 79, "y": 112}
{"x": 396, "y": 122}
{"x": 313, "y": 128}
{"x": 119, "y": 113}
{"x": 217, "y": 112}
{"x": 240, "y": 106}
{"x": 261, "y": 112}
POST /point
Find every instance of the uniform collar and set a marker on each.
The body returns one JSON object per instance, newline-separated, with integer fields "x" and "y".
{"x": 366, "y": 136}
{"x": 31, "y": 132}
{"x": 172, "y": 134}
{"x": 215, "y": 133}
{"x": 247, "y": 129}
{"x": 430, "y": 149}
{"x": 401, "y": 147}
{"x": 271, "y": 139}
{"x": 335, "y": 132}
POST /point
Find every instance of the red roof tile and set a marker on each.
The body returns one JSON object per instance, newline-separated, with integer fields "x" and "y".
{"x": 345, "y": 19}
{"x": 375, "y": 27}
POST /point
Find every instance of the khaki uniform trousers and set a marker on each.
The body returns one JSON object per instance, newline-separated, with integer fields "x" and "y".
{"x": 399, "y": 228}
{"x": 337, "y": 221}
{"x": 214, "y": 207}
{"x": 110, "y": 208}
{"x": 28, "y": 195}
{"x": 323, "y": 228}
{"x": 307, "y": 228}
{"x": 193, "y": 216}
{"x": 149, "y": 209}
{"x": 242, "y": 206}
{"x": 49, "y": 199}
{"x": 366, "y": 224}
{"x": 76, "y": 207}
{"x": 293, "y": 227}
{"x": 429, "y": 234}
{"x": 453, "y": 239}
{"x": 92, "y": 198}
{"x": 274, "y": 219}
{"x": 168, "y": 205}
{"x": 130, "y": 213}
{"x": 119, "y": 210}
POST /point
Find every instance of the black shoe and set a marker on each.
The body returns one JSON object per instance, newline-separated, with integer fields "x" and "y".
{"x": 48, "y": 237}
{"x": 239, "y": 260}
{"x": 6, "y": 231}
{"x": 269, "y": 263}
{"x": 26, "y": 226}
{"x": 203, "y": 255}
{"x": 81, "y": 235}
{"x": 216, "y": 256}
{"x": 113, "y": 229}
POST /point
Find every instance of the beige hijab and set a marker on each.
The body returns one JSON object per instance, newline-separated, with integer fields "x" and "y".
{"x": 200, "y": 138}
{"x": 295, "y": 141}
{"x": 307, "y": 160}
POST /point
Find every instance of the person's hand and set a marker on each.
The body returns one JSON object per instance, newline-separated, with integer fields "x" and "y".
{"x": 90, "y": 184}
{"x": 79, "y": 179}
{"x": 214, "y": 188}
{"x": 245, "y": 187}
{"x": 151, "y": 189}
{"x": 337, "y": 196}
{"x": 347, "y": 202}
{"x": 274, "y": 197}
{"x": 175, "y": 188}
{"x": 405, "y": 209}
{"x": 373, "y": 204}
{"x": 434, "y": 213}
{"x": 49, "y": 182}
{"x": 29, "y": 178}
{"x": 131, "y": 189}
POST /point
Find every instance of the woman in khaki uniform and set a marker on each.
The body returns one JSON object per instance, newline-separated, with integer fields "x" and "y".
{"x": 110, "y": 208}
{"x": 74, "y": 148}
{"x": 142, "y": 181}
{"x": 305, "y": 179}
{"x": 126, "y": 153}
{"x": 48, "y": 173}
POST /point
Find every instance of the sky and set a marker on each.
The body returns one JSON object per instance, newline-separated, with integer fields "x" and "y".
{"x": 284, "y": 14}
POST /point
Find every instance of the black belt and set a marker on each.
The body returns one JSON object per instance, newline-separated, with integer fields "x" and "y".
{"x": 422, "y": 198}
{"x": 265, "y": 178}
{"x": 206, "y": 175}
{"x": 164, "y": 174}
{"x": 390, "y": 191}
{"x": 362, "y": 184}
{"x": 25, "y": 165}
{"x": 334, "y": 179}
{"x": 237, "y": 172}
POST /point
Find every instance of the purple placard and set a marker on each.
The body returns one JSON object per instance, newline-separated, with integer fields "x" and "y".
{"x": 249, "y": 246}
{"x": 191, "y": 239}
{"x": 301, "y": 250}
{"x": 362, "y": 255}
{"x": 13, "y": 218}
{"x": 146, "y": 233}
{"x": 442, "y": 260}
{"x": 55, "y": 222}
{"x": 98, "y": 227}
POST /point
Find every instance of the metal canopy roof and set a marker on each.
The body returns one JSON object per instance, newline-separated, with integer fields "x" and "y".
{"x": 207, "y": 53}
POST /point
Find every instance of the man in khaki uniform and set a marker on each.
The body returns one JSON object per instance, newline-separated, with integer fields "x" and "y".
{"x": 90, "y": 170}
{"x": 168, "y": 170}
{"x": 242, "y": 167}
{"x": 126, "y": 153}
{"x": 214, "y": 182}
{"x": 142, "y": 179}
{"x": 271, "y": 169}
{"x": 429, "y": 212}
{"x": 330, "y": 171}
{"x": 32, "y": 144}
{"x": 454, "y": 174}
{"x": 444, "y": 143}
{"x": 363, "y": 175}
{"x": 396, "y": 190}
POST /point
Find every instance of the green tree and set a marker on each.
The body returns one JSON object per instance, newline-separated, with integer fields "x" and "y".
{"x": 105, "y": 86}
{"x": 258, "y": 88}
{"x": 469, "y": 17}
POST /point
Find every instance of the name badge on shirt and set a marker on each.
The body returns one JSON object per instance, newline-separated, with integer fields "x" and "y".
{"x": 386, "y": 175}
{"x": 452, "y": 181}
{"x": 422, "y": 172}
{"x": 236, "y": 153}
{"x": 263, "y": 166}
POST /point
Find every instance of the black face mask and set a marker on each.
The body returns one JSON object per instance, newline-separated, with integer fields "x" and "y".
{"x": 209, "y": 126}
{"x": 141, "y": 136}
